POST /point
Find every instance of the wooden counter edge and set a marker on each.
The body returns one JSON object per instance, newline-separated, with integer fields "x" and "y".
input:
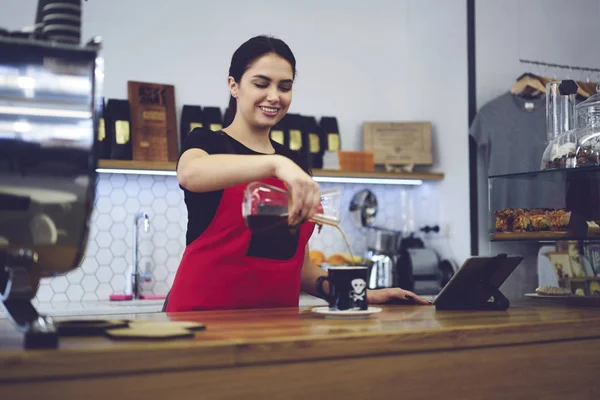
{"x": 170, "y": 166}
{"x": 189, "y": 355}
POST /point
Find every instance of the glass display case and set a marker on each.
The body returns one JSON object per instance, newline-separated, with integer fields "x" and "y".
{"x": 560, "y": 210}
{"x": 557, "y": 207}
{"x": 546, "y": 205}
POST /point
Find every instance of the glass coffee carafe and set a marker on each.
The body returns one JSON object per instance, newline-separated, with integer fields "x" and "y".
{"x": 266, "y": 207}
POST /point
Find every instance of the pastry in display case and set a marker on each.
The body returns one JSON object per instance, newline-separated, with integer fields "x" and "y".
{"x": 534, "y": 220}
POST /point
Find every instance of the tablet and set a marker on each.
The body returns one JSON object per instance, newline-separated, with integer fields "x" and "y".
{"x": 476, "y": 285}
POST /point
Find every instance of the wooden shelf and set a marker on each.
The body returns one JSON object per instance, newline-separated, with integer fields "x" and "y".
{"x": 139, "y": 165}
{"x": 424, "y": 176}
{"x": 543, "y": 236}
{"x": 170, "y": 166}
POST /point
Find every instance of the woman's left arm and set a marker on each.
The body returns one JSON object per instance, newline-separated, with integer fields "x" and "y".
{"x": 311, "y": 272}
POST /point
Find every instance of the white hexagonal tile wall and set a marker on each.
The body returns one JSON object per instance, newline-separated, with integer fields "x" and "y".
{"x": 118, "y": 213}
{"x": 103, "y": 222}
{"x": 159, "y": 206}
{"x": 117, "y": 180}
{"x": 159, "y": 223}
{"x": 159, "y": 189}
{"x": 90, "y": 283}
{"x": 146, "y": 181}
{"x": 173, "y": 215}
{"x": 91, "y": 247}
{"x": 146, "y": 197}
{"x": 75, "y": 293}
{"x": 44, "y": 293}
{"x": 174, "y": 247}
{"x": 120, "y": 265}
{"x": 160, "y": 257}
{"x": 132, "y": 204}
{"x": 103, "y": 187}
{"x": 104, "y": 239}
{"x": 104, "y": 275}
{"x": 89, "y": 264}
{"x": 74, "y": 277}
{"x": 132, "y": 189}
{"x": 119, "y": 197}
{"x": 104, "y": 290}
{"x": 118, "y": 230}
{"x": 59, "y": 298}
{"x": 174, "y": 198}
{"x": 119, "y": 248}
{"x": 146, "y": 247}
{"x": 160, "y": 274}
{"x": 59, "y": 284}
{"x": 160, "y": 288}
{"x": 103, "y": 205}
{"x": 159, "y": 239}
{"x": 89, "y": 296}
{"x": 174, "y": 232}
{"x": 104, "y": 257}
{"x": 173, "y": 262}
{"x": 118, "y": 283}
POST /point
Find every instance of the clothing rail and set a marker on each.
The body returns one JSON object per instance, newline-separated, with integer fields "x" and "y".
{"x": 560, "y": 66}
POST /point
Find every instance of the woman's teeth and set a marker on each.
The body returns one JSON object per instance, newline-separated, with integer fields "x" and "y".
{"x": 269, "y": 109}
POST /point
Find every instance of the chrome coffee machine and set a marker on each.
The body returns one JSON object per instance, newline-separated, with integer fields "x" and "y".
{"x": 49, "y": 102}
{"x": 395, "y": 258}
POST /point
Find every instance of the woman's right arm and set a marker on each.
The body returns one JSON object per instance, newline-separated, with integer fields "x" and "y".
{"x": 198, "y": 171}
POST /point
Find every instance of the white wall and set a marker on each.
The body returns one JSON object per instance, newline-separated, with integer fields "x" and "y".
{"x": 376, "y": 60}
{"x": 551, "y": 31}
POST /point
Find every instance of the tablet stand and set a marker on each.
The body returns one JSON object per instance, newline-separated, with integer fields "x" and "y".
{"x": 479, "y": 293}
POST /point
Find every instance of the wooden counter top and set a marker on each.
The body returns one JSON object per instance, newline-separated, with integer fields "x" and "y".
{"x": 255, "y": 337}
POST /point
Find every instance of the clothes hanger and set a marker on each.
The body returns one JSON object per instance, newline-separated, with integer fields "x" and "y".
{"x": 528, "y": 83}
{"x": 587, "y": 87}
{"x": 583, "y": 88}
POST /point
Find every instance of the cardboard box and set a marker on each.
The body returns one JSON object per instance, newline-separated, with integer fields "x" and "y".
{"x": 399, "y": 143}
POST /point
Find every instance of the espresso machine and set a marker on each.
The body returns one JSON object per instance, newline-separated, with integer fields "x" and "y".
{"x": 49, "y": 102}
{"x": 396, "y": 258}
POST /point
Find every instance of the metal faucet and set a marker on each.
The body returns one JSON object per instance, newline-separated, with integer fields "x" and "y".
{"x": 136, "y": 276}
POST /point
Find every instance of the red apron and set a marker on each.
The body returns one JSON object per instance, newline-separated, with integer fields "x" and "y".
{"x": 216, "y": 273}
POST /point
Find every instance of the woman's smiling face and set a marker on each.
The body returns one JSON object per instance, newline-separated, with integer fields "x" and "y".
{"x": 264, "y": 93}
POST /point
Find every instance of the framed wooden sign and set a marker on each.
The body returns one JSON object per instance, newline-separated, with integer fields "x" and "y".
{"x": 153, "y": 121}
{"x": 399, "y": 143}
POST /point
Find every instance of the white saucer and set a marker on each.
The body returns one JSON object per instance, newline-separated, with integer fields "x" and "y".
{"x": 346, "y": 314}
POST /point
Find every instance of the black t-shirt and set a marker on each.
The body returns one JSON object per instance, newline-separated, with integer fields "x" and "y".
{"x": 202, "y": 207}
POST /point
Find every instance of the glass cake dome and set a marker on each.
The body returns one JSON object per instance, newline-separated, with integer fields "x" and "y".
{"x": 578, "y": 147}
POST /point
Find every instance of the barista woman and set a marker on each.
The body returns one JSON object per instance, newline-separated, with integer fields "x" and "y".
{"x": 225, "y": 265}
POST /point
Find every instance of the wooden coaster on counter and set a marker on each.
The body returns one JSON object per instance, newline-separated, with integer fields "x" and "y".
{"x": 150, "y": 330}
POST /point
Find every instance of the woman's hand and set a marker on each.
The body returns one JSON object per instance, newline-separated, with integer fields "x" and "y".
{"x": 381, "y": 296}
{"x": 303, "y": 189}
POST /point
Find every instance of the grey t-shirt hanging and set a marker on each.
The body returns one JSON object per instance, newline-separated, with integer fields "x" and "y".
{"x": 511, "y": 134}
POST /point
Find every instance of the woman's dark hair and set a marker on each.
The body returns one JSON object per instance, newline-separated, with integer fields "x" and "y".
{"x": 249, "y": 52}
